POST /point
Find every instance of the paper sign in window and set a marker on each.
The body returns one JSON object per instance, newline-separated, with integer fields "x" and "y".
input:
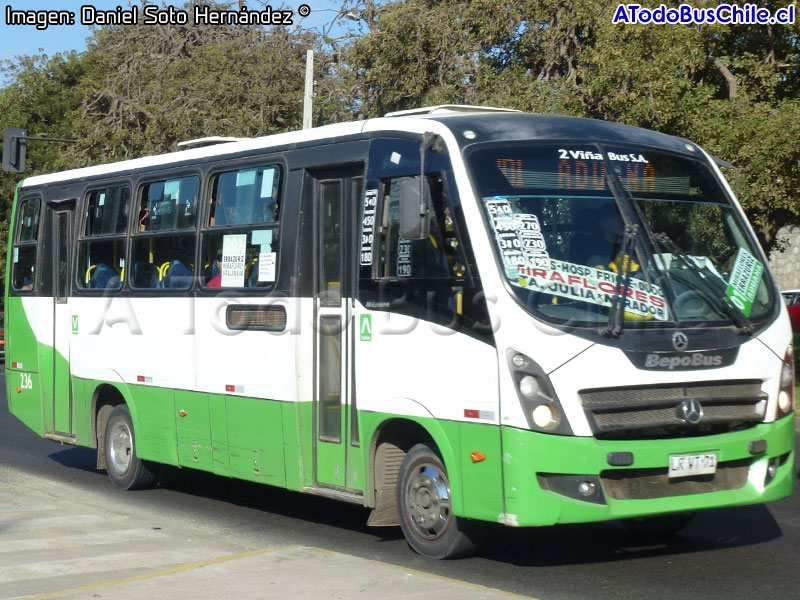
{"x": 267, "y": 179}
{"x": 261, "y": 237}
{"x": 172, "y": 188}
{"x": 595, "y": 286}
{"x": 234, "y": 250}
{"x": 245, "y": 177}
{"x": 368, "y": 226}
{"x": 744, "y": 281}
{"x": 266, "y": 266}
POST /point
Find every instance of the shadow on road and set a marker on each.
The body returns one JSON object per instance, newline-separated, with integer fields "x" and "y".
{"x": 546, "y": 546}
{"x": 611, "y": 541}
{"x": 268, "y": 499}
{"x": 84, "y": 459}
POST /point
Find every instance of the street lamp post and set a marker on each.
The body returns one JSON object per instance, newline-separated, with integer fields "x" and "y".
{"x": 308, "y": 94}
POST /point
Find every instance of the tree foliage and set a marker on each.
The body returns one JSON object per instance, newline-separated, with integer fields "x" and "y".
{"x": 44, "y": 97}
{"x": 152, "y": 86}
{"x": 139, "y": 89}
{"x": 733, "y": 89}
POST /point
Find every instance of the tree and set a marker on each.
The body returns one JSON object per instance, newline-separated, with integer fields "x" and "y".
{"x": 151, "y": 86}
{"x": 140, "y": 89}
{"x": 44, "y": 96}
{"x": 729, "y": 88}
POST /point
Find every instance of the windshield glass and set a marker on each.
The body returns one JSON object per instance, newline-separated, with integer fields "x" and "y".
{"x": 560, "y": 234}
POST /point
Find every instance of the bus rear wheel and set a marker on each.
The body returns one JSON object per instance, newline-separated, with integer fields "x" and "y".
{"x": 124, "y": 467}
{"x": 423, "y": 501}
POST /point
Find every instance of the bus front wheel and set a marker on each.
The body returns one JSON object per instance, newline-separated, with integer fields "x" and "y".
{"x": 124, "y": 467}
{"x": 423, "y": 502}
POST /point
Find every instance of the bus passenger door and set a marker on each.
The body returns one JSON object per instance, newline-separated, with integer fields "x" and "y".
{"x": 60, "y": 221}
{"x": 335, "y": 201}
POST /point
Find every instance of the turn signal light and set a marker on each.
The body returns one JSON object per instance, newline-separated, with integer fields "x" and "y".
{"x": 476, "y": 456}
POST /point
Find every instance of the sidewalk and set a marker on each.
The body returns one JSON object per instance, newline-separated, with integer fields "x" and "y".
{"x": 63, "y": 541}
{"x": 286, "y": 572}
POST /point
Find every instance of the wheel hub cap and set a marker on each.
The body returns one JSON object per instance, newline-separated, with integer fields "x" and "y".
{"x": 428, "y": 501}
{"x": 121, "y": 447}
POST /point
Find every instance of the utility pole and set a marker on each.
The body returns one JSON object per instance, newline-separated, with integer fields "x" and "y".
{"x": 309, "y": 91}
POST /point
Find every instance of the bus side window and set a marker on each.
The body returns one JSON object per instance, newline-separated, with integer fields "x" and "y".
{"x": 163, "y": 246}
{"x": 23, "y": 273}
{"x": 434, "y": 278}
{"x": 242, "y": 229}
{"x": 429, "y": 270}
{"x": 433, "y": 257}
{"x": 101, "y": 249}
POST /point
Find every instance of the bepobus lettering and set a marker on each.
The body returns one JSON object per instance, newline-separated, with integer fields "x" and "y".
{"x": 685, "y": 361}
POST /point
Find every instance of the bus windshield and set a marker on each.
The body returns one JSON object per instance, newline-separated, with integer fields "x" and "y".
{"x": 663, "y": 245}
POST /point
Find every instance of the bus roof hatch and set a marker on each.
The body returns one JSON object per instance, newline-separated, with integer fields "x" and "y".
{"x": 447, "y": 108}
{"x": 209, "y": 141}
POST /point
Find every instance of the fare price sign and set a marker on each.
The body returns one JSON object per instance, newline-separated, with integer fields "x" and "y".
{"x": 368, "y": 226}
{"x": 518, "y": 235}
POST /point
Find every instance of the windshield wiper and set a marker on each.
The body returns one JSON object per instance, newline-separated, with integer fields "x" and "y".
{"x": 715, "y": 287}
{"x": 616, "y": 314}
{"x": 634, "y": 219}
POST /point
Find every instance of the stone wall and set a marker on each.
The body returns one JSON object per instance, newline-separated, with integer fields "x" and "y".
{"x": 785, "y": 265}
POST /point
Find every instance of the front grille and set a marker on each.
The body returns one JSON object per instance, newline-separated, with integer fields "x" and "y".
{"x": 654, "y": 411}
{"x": 643, "y": 484}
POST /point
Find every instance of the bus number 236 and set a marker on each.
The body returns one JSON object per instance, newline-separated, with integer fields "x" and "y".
{"x": 25, "y": 381}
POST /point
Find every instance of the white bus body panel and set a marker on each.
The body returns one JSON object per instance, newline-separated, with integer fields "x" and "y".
{"x": 426, "y": 368}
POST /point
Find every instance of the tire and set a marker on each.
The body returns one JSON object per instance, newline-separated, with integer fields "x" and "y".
{"x": 659, "y": 526}
{"x": 423, "y": 504}
{"x": 124, "y": 467}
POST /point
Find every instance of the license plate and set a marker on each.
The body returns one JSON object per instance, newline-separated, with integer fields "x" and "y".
{"x": 686, "y": 465}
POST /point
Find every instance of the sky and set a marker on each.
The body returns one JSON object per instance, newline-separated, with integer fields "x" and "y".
{"x": 23, "y": 40}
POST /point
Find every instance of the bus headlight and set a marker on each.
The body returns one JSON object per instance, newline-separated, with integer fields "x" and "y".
{"x": 784, "y": 401}
{"x": 544, "y": 417}
{"x": 519, "y": 360}
{"x": 539, "y": 402}
{"x": 529, "y": 387}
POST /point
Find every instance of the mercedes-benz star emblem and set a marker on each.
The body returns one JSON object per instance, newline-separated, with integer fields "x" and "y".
{"x": 690, "y": 410}
{"x": 680, "y": 341}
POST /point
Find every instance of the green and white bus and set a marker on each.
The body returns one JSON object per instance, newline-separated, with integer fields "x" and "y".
{"x": 449, "y": 315}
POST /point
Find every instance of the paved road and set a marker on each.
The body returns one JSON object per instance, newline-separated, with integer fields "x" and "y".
{"x": 732, "y": 554}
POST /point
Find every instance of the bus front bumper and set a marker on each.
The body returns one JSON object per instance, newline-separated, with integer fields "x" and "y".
{"x": 551, "y": 479}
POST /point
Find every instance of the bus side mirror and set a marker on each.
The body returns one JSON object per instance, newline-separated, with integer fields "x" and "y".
{"x": 725, "y": 167}
{"x": 415, "y": 214}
